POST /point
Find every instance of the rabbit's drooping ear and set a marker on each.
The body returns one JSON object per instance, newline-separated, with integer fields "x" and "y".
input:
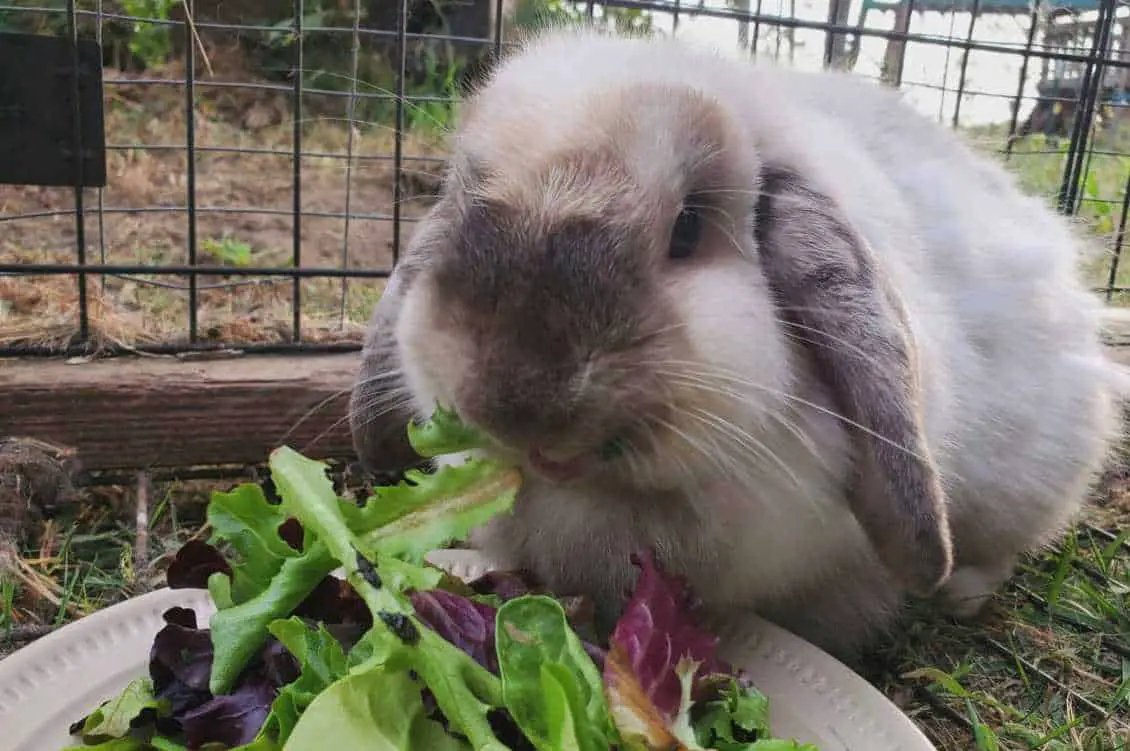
{"x": 828, "y": 285}
{"x": 378, "y": 411}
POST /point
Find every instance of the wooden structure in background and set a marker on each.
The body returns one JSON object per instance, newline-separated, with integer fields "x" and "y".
{"x": 144, "y": 413}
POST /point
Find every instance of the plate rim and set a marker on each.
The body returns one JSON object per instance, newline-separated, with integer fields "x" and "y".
{"x": 860, "y": 705}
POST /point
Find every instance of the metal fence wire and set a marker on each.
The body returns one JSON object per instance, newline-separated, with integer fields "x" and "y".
{"x": 182, "y": 175}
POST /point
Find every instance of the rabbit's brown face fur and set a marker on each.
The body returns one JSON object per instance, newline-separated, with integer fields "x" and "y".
{"x": 553, "y": 284}
{"x": 556, "y": 333}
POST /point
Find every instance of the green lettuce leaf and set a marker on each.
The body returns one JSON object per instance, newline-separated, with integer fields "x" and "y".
{"x": 381, "y": 547}
{"x": 737, "y": 719}
{"x": 560, "y": 722}
{"x": 164, "y": 744}
{"x": 269, "y": 578}
{"x": 464, "y": 690}
{"x": 114, "y": 744}
{"x": 396, "y": 529}
{"x": 112, "y": 719}
{"x": 321, "y": 662}
{"x": 131, "y": 743}
{"x": 443, "y": 433}
{"x": 249, "y": 524}
{"x": 733, "y": 719}
{"x": 445, "y": 506}
{"x": 377, "y": 710}
{"x": 240, "y": 631}
{"x": 666, "y": 687}
{"x": 549, "y": 683}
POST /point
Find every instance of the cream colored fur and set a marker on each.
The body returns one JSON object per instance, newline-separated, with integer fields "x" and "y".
{"x": 1018, "y": 399}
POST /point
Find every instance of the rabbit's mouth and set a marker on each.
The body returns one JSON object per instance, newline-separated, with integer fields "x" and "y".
{"x": 572, "y": 467}
{"x": 560, "y": 470}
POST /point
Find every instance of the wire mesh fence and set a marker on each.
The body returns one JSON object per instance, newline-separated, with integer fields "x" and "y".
{"x": 265, "y": 160}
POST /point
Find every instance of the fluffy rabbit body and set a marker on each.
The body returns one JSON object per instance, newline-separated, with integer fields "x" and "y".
{"x": 775, "y": 325}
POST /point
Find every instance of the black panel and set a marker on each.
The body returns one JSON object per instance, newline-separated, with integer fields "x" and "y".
{"x": 37, "y": 112}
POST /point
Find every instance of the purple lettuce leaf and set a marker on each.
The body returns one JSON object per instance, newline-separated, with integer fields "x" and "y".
{"x": 660, "y": 662}
{"x": 292, "y": 533}
{"x": 598, "y": 654}
{"x": 180, "y": 665}
{"x": 470, "y": 624}
{"x": 194, "y": 562}
{"x": 180, "y": 662}
{"x": 657, "y": 629}
{"x": 465, "y": 623}
{"x": 333, "y": 601}
{"x": 197, "y": 560}
{"x": 507, "y": 731}
{"x": 233, "y": 719}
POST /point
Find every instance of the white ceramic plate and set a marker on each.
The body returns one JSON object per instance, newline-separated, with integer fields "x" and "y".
{"x": 58, "y": 679}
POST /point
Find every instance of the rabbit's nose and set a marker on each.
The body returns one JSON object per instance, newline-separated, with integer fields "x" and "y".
{"x": 515, "y": 422}
{"x": 520, "y": 404}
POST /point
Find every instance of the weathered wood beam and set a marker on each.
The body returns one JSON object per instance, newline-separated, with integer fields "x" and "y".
{"x": 140, "y": 412}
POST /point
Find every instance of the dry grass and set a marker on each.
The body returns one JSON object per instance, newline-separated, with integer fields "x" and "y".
{"x": 244, "y": 203}
{"x": 244, "y": 218}
{"x": 126, "y": 312}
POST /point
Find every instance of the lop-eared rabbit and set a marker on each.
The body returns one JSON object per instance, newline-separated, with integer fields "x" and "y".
{"x": 776, "y": 326}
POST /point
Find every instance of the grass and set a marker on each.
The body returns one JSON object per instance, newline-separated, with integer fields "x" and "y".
{"x": 1049, "y": 666}
{"x": 87, "y": 558}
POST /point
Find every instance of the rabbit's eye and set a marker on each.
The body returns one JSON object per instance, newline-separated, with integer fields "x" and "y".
{"x": 684, "y": 237}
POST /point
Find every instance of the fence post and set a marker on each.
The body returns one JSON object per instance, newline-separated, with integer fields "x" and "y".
{"x": 896, "y": 46}
{"x": 1088, "y": 98}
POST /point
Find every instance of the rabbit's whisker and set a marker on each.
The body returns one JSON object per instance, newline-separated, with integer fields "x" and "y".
{"x": 688, "y": 367}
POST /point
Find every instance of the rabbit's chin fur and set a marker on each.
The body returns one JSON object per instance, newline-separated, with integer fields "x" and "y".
{"x": 1007, "y": 395}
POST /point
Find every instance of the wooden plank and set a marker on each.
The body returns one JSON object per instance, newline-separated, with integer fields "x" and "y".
{"x": 129, "y": 413}
{"x": 895, "y": 56}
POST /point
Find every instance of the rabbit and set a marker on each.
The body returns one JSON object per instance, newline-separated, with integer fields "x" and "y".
{"x": 800, "y": 341}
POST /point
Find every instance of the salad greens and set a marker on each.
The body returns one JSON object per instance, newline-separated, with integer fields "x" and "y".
{"x": 549, "y": 683}
{"x": 399, "y": 656}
